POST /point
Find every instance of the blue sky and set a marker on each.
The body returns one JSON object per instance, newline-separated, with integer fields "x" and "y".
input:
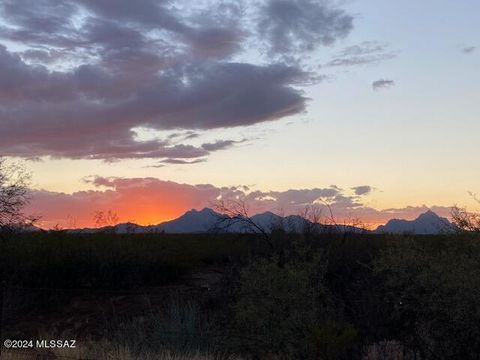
{"x": 413, "y": 142}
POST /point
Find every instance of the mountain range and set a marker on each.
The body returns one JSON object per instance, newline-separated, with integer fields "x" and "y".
{"x": 207, "y": 220}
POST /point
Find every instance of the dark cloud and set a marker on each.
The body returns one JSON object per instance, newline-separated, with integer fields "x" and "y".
{"x": 382, "y": 84}
{"x": 44, "y": 22}
{"x": 186, "y": 135}
{"x": 368, "y": 52}
{"x": 182, "y": 162}
{"x": 469, "y": 50}
{"x": 362, "y": 190}
{"x": 207, "y": 40}
{"x": 191, "y": 135}
{"x": 220, "y": 145}
{"x": 218, "y": 95}
{"x": 214, "y": 42}
{"x": 146, "y": 13}
{"x": 92, "y": 71}
{"x": 293, "y": 26}
{"x": 90, "y": 112}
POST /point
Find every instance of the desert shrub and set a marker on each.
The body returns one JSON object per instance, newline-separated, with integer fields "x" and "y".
{"x": 332, "y": 340}
{"x": 321, "y": 296}
{"x": 387, "y": 350}
{"x": 282, "y": 307}
{"x": 180, "y": 323}
{"x": 432, "y": 288}
{"x": 357, "y": 291}
{"x": 46, "y": 272}
{"x": 63, "y": 260}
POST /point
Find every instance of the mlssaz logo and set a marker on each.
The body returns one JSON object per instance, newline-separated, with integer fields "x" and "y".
{"x": 56, "y": 344}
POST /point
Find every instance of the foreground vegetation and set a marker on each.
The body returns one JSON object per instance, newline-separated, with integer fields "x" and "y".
{"x": 311, "y": 296}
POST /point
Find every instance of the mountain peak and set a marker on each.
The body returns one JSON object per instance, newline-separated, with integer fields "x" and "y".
{"x": 203, "y": 211}
{"x": 429, "y": 214}
{"x": 427, "y": 223}
{"x": 267, "y": 213}
{"x": 207, "y": 211}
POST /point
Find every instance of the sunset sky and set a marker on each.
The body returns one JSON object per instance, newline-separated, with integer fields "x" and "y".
{"x": 150, "y": 108}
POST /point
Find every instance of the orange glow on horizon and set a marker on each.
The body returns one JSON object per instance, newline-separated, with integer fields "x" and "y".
{"x": 150, "y": 201}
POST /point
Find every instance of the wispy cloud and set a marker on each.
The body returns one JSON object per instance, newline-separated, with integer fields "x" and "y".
{"x": 383, "y": 84}
{"x": 368, "y": 52}
{"x": 181, "y": 161}
{"x": 469, "y": 50}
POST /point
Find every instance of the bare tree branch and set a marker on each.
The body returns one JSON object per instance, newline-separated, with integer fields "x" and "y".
{"x": 14, "y": 195}
{"x": 465, "y": 221}
{"x": 106, "y": 220}
{"x": 235, "y": 215}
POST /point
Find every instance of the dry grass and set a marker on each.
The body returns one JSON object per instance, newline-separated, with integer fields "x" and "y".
{"x": 386, "y": 350}
{"x": 107, "y": 352}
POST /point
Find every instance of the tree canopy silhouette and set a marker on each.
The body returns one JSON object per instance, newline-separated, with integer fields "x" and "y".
{"x": 14, "y": 194}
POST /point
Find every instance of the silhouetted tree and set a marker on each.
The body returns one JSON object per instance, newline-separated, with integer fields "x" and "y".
{"x": 235, "y": 215}
{"x": 14, "y": 195}
{"x": 465, "y": 220}
{"x": 106, "y": 220}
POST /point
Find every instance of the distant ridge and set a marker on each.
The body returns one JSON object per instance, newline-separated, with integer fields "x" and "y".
{"x": 428, "y": 223}
{"x": 208, "y": 220}
{"x": 192, "y": 221}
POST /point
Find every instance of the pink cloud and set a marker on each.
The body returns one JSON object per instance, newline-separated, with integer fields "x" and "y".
{"x": 151, "y": 201}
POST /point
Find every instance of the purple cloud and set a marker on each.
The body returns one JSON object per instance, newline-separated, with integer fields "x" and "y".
{"x": 292, "y": 26}
{"x": 91, "y": 72}
{"x": 362, "y": 190}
